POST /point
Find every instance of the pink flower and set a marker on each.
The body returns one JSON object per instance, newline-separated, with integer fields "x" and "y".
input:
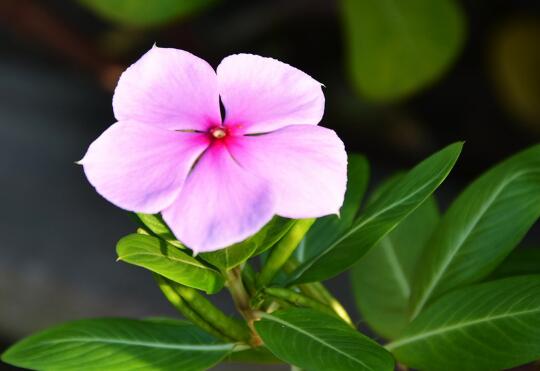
{"x": 216, "y": 182}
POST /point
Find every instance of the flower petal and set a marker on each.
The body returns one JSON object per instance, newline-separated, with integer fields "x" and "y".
{"x": 306, "y": 165}
{"x": 263, "y": 94}
{"x": 139, "y": 167}
{"x": 169, "y": 88}
{"x": 220, "y": 203}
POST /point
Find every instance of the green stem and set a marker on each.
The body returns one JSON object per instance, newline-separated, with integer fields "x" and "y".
{"x": 332, "y": 302}
{"x": 212, "y": 314}
{"x": 176, "y": 300}
{"x": 202, "y": 312}
{"x": 141, "y": 230}
{"x": 318, "y": 291}
{"x": 248, "y": 277}
{"x": 274, "y": 305}
{"x": 238, "y": 291}
{"x": 283, "y": 251}
{"x": 242, "y": 299}
{"x": 297, "y": 299}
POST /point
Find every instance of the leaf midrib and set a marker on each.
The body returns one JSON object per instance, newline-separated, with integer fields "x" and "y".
{"x": 466, "y": 236}
{"x": 364, "y": 222}
{"x": 397, "y": 269}
{"x": 458, "y": 326}
{"x": 145, "y": 344}
{"x": 321, "y": 341}
{"x": 198, "y": 265}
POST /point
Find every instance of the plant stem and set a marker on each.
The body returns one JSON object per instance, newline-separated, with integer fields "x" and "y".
{"x": 297, "y": 299}
{"x": 283, "y": 251}
{"x": 176, "y": 300}
{"x": 274, "y": 305}
{"x": 202, "y": 312}
{"x": 319, "y": 292}
{"x": 248, "y": 277}
{"x": 241, "y": 300}
{"x": 212, "y": 314}
{"x": 331, "y": 301}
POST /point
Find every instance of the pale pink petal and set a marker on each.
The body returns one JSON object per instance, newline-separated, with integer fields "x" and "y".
{"x": 306, "y": 165}
{"x": 220, "y": 203}
{"x": 139, "y": 167}
{"x": 263, "y": 94}
{"x": 169, "y": 88}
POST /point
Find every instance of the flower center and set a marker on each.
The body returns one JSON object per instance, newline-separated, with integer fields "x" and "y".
{"x": 218, "y": 133}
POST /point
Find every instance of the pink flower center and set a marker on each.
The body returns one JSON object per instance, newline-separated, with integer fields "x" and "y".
{"x": 218, "y": 132}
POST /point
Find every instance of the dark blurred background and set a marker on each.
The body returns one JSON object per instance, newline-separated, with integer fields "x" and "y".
{"x": 399, "y": 85}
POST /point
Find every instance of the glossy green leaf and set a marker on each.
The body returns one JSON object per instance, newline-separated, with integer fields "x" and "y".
{"x": 315, "y": 341}
{"x": 144, "y": 12}
{"x": 118, "y": 344}
{"x": 161, "y": 257}
{"x": 397, "y": 47}
{"x": 382, "y": 279}
{"x": 327, "y": 229}
{"x": 253, "y": 355}
{"x": 238, "y": 253}
{"x": 519, "y": 262}
{"x": 155, "y": 224}
{"x": 481, "y": 227}
{"x": 490, "y": 326}
{"x": 381, "y": 217}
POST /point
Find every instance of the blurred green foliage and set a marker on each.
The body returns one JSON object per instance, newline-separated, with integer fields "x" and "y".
{"x": 515, "y": 58}
{"x": 144, "y": 13}
{"x": 397, "y": 47}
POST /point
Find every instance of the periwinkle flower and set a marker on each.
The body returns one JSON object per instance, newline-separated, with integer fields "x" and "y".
{"x": 216, "y": 182}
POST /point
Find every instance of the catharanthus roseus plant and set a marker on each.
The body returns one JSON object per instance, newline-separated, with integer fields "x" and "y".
{"x": 215, "y": 180}
{"x": 261, "y": 200}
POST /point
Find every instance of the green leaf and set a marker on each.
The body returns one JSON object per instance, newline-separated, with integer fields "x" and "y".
{"x": 481, "y": 227}
{"x": 397, "y": 47}
{"x": 327, "y": 229}
{"x": 118, "y": 344}
{"x": 490, "y": 326}
{"x": 315, "y": 341}
{"x": 236, "y": 254}
{"x": 253, "y": 355}
{"x": 144, "y": 12}
{"x": 519, "y": 262}
{"x": 382, "y": 279}
{"x": 155, "y": 224}
{"x": 160, "y": 257}
{"x": 381, "y": 217}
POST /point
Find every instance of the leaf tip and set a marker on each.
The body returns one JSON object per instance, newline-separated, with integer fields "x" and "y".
{"x": 459, "y": 144}
{"x": 6, "y": 356}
